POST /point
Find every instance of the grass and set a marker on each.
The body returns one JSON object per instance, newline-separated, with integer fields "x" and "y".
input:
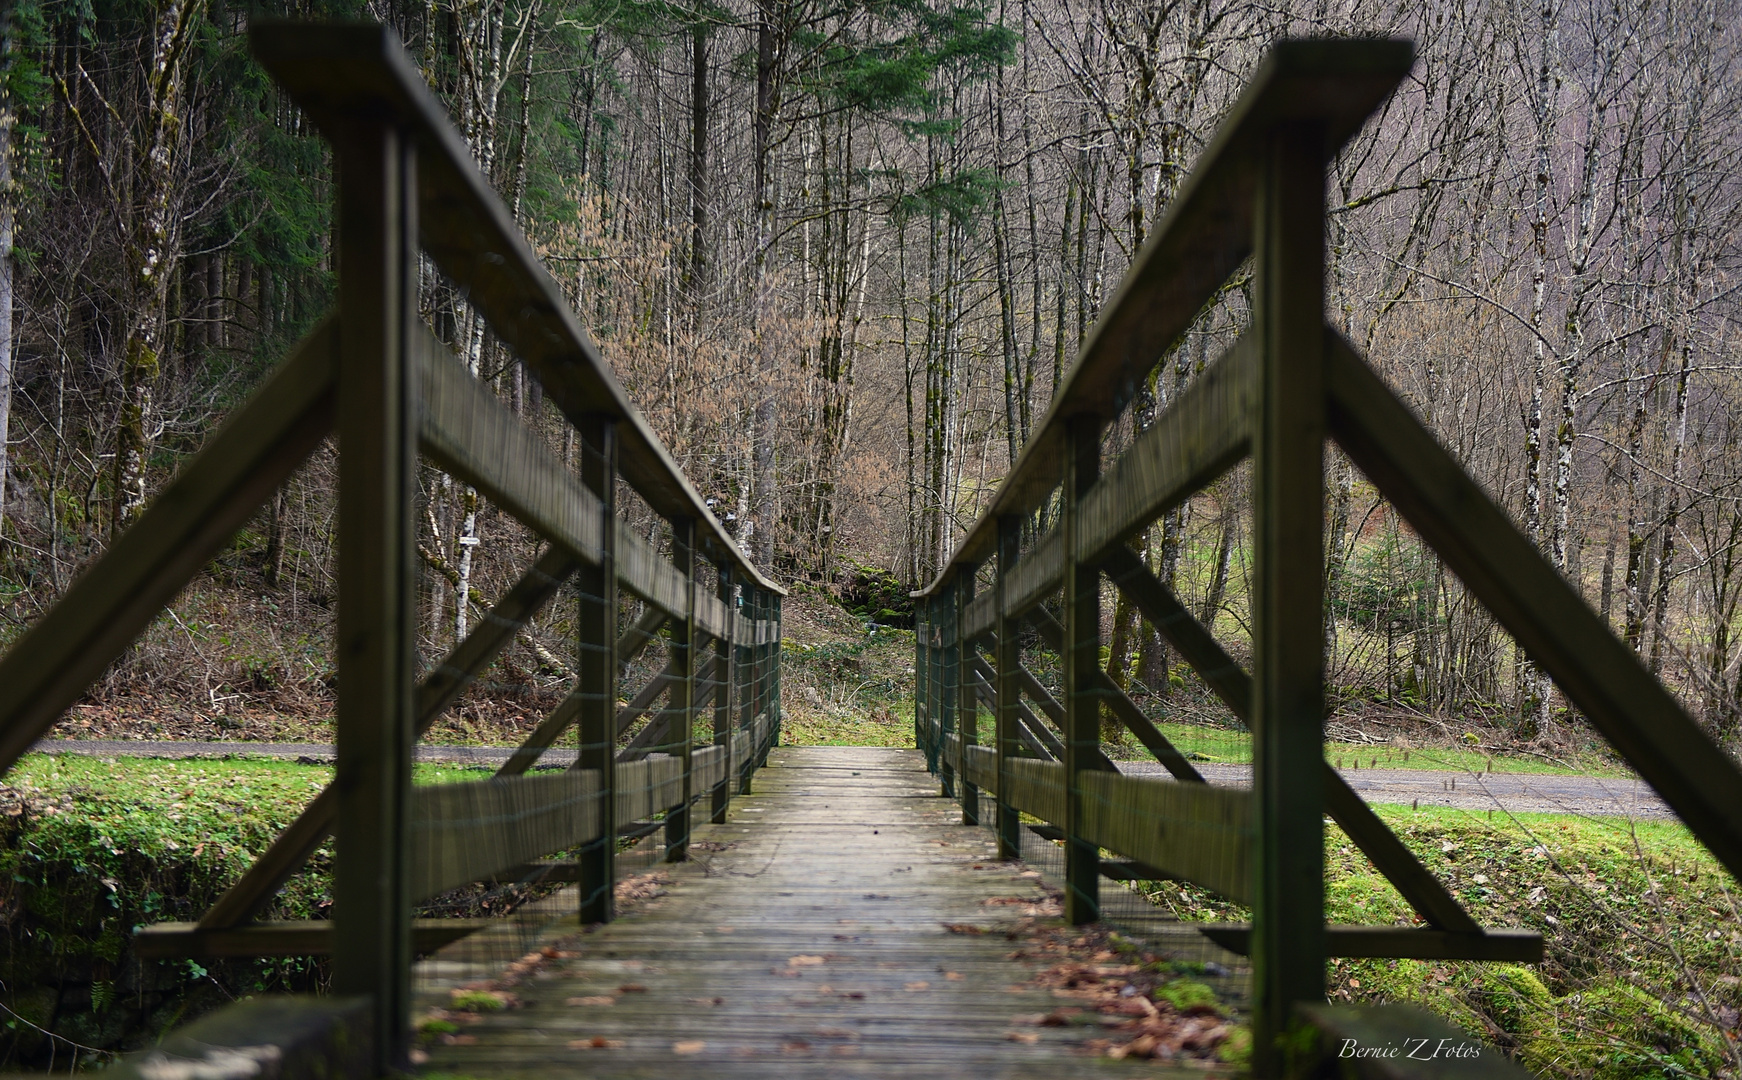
{"x": 91, "y": 848}
{"x": 1640, "y": 925}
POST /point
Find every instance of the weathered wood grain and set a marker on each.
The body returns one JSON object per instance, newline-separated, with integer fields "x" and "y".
{"x": 461, "y": 833}
{"x": 817, "y": 933}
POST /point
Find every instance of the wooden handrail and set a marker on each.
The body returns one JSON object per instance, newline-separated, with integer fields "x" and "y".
{"x": 338, "y": 72}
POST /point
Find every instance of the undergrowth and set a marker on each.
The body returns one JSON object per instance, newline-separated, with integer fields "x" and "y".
{"x": 1642, "y": 934}
{"x": 92, "y": 848}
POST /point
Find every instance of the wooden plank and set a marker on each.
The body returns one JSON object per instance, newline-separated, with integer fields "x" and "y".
{"x": 967, "y": 703}
{"x": 1400, "y": 942}
{"x": 1204, "y": 236}
{"x": 1037, "y": 574}
{"x": 551, "y": 727}
{"x": 1038, "y": 788}
{"x": 291, "y": 849}
{"x": 1288, "y": 640}
{"x": 1229, "y": 680}
{"x": 1030, "y": 731}
{"x": 276, "y": 1036}
{"x": 648, "y": 787}
{"x": 949, "y": 683}
{"x": 1195, "y": 831}
{"x": 1080, "y": 660}
{"x": 376, "y": 639}
{"x": 980, "y": 767}
{"x": 1054, "y": 748}
{"x": 1006, "y": 700}
{"x": 681, "y": 698}
{"x": 172, "y": 940}
{"x": 470, "y": 433}
{"x": 1206, "y": 430}
{"x": 1420, "y": 1038}
{"x": 725, "y": 653}
{"x": 1598, "y": 673}
{"x": 599, "y": 660}
{"x": 461, "y": 833}
{"x": 119, "y": 595}
{"x": 1122, "y": 707}
{"x": 708, "y": 768}
{"x": 657, "y": 734}
{"x": 980, "y": 615}
{"x": 334, "y": 71}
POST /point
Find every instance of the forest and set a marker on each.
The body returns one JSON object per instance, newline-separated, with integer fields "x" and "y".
{"x": 841, "y": 253}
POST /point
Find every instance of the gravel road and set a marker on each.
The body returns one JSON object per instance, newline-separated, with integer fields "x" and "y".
{"x": 1515, "y": 792}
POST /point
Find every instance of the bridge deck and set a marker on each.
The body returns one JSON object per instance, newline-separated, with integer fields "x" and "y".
{"x": 809, "y": 937}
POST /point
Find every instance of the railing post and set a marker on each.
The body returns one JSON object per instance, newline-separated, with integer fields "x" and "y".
{"x": 720, "y": 795}
{"x": 744, "y": 700}
{"x": 596, "y": 671}
{"x": 774, "y": 649}
{"x": 1288, "y": 921}
{"x": 1009, "y": 659}
{"x": 948, "y": 691}
{"x": 1081, "y": 663}
{"x": 967, "y": 704}
{"x": 683, "y": 690}
{"x": 919, "y": 686}
{"x": 935, "y": 682}
{"x": 377, "y": 630}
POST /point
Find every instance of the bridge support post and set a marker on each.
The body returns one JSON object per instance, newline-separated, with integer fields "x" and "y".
{"x": 967, "y": 703}
{"x": 1081, "y": 661}
{"x": 720, "y": 795}
{"x": 596, "y": 674}
{"x": 683, "y": 690}
{"x": 377, "y": 630}
{"x": 1009, "y": 660}
{"x": 744, "y": 692}
{"x": 950, "y": 660}
{"x": 1288, "y": 951}
{"x": 774, "y": 647}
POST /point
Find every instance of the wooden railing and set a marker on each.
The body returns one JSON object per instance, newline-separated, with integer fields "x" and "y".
{"x": 1275, "y": 396}
{"x": 377, "y": 378}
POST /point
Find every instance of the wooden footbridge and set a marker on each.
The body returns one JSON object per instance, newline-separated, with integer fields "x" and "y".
{"x": 832, "y": 915}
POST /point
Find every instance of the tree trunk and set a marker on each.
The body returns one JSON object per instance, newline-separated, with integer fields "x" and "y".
{"x": 151, "y": 256}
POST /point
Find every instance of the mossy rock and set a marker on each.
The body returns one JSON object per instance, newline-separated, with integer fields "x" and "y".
{"x": 1412, "y": 982}
{"x": 1621, "y": 1032}
{"x": 1510, "y": 996}
{"x": 1189, "y": 996}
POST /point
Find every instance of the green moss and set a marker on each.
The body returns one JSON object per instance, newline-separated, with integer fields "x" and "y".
{"x": 477, "y": 1001}
{"x": 1617, "y": 1030}
{"x": 1188, "y": 996}
{"x": 1513, "y": 998}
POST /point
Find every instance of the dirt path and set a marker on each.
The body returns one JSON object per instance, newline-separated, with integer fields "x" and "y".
{"x": 1514, "y": 792}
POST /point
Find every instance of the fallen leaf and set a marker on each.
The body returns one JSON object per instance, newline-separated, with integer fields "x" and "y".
{"x": 596, "y": 999}
{"x": 597, "y": 1042}
{"x": 953, "y": 976}
{"x": 632, "y": 988}
{"x": 805, "y": 961}
{"x": 964, "y": 928}
{"x": 689, "y": 1046}
{"x": 915, "y": 987}
{"x": 1021, "y": 1036}
{"x": 794, "y": 1046}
